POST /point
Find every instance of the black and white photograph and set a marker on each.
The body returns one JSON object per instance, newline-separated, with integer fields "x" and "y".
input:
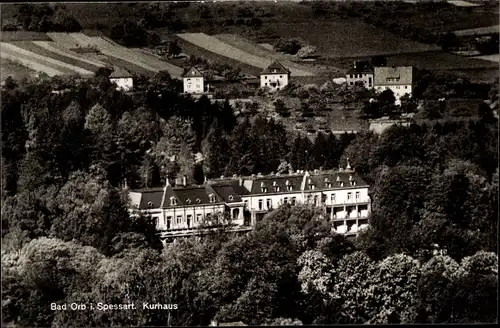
{"x": 249, "y": 163}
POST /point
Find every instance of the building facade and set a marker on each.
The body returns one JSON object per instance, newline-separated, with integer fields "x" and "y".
{"x": 398, "y": 79}
{"x": 193, "y": 81}
{"x": 122, "y": 78}
{"x": 361, "y": 72}
{"x": 275, "y": 77}
{"x": 180, "y": 210}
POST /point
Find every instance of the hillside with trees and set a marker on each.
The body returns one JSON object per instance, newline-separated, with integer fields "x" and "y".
{"x": 68, "y": 158}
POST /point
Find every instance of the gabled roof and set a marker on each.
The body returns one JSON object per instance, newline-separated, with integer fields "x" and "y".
{"x": 120, "y": 72}
{"x": 275, "y": 68}
{"x": 193, "y": 72}
{"x": 395, "y": 75}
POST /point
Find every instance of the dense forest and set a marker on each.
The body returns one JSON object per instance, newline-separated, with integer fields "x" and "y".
{"x": 72, "y": 147}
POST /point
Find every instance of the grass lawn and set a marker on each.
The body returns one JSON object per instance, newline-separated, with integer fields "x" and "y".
{"x": 14, "y": 70}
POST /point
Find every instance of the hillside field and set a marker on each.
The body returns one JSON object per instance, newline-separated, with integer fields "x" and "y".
{"x": 350, "y": 38}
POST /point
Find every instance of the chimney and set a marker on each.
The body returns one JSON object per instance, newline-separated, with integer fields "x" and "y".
{"x": 241, "y": 181}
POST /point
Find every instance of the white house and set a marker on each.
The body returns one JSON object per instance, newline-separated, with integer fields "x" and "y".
{"x": 398, "y": 79}
{"x": 178, "y": 211}
{"x": 362, "y": 72}
{"x": 122, "y": 78}
{"x": 342, "y": 194}
{"x": 275, "y": 76}
{"x": 193, "y": 81}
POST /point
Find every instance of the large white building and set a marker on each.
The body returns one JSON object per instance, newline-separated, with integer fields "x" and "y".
{"x": 193, "y": 81}
{"x": 122, "y": 78}
{"x": 275, "y": 77}
{"x": 398, "y": 79}
{"x": 179, "y": 210}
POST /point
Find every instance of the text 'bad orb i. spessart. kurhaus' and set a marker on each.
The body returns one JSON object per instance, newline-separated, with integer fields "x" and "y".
{"x": 111, "y": 307}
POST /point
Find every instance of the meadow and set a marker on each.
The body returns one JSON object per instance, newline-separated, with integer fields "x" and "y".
{"x": 349, "y": 38}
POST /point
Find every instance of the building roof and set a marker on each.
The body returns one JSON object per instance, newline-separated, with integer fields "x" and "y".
{"x": 333, "y": 179}
{"x": 230, "y": 193}
{"x": 119, "y": 73}
{"x": 395, "y": 75}
{"x": 255, "y": 184}
{"x": 275, "y": 68}
{"x": 193, "y": 72}
{"x": 152, "y": 195}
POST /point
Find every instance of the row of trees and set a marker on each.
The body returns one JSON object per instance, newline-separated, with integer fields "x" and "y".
{"x": 44, "y": 18}
{"x": 321, "y": 278}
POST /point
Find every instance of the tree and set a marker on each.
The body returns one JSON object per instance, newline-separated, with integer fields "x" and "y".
{"x": 395, "y": 275}
{"x": 173, "y": 49}
{"x": 386, "y": 100}
{"x": 306, "y": 51}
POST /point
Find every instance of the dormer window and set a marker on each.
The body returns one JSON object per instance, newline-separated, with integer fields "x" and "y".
{"x": 173, "y": 201}
{"x": 326, "y": 180}
{"x": 274, "y": 184}
{"x": 338, "y": 178}
{"x": 277, "y": 188}
{"x": 341, "y": 184}
{"x": 329, "y": 184}
{"x": 287, "y": 182}
{"x": 353, "y": 183}
{"x": 188, "y": 201}
{"x": 150, "y": 204}
{"x": 290, "y": 188}
{"x": 350, "y": 178}
{"x": 312, "y": 187}
{"x": 264, "y": 189}
{"x": 230, "y": 197}
{"x": 212, "y": 198}
{"x": 198, "y": 200}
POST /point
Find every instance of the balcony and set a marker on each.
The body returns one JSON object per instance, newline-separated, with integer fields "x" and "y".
{"x": 365, "y": 200}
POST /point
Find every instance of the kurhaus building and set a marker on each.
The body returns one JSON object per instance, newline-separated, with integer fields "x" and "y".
{"x": 178, "y": 211}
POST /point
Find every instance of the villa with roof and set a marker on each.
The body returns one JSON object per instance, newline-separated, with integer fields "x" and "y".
{"x": 122, "y": 78}
{"x": 193, "y": 81}
{"x": 275, "y": 77}
{"x": 398, "y": 79}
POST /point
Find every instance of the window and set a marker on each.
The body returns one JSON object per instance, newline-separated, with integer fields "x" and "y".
{"x": 189, "y": 217}
{"x": 316, "y": 200}
{"x": 269, "y": 203}
{"x": 309, "y": 199}
{"x": 285, "y": 200}
{"x": 406, "y": 87}
{"x": 290, "y": 188}
{"x": 333, "y": 198}
{"x": 265, "y": 84}
{"x": 349, "y": 195}
{"x": 173, "y": 201}
{"x": 341, "y": 183}
{"x": 212, "y": 198}
{"x": 294, "y": 200}
{"x": 150, "y": 204}
{"x": 260, "y": 204}
{"x": 236, "y": 213}
{"x": 179, "y": 219}
{"x": 312, "y": 187}
{"x": 197, "y": 85}
{"x": 281, "y": 76}
{"x": 264, "y": 189}
{"x": 231, "y": 197}
{"x": 351, "y": 83}
{"x": 198, "y": 218}
{"x": 169, "y": 222}
{"x": 188, "y": 201}
{"x": 277, "y": 188}
{"x": 357, "y": 195}
{"x": 245, "y": 202}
